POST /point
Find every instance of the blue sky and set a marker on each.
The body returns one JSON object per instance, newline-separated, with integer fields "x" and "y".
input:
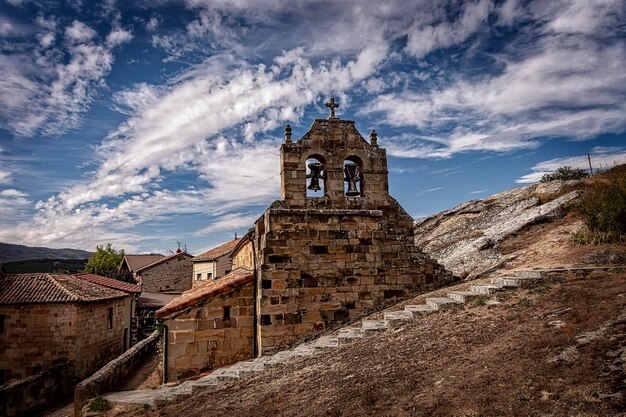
{"x": 151, "y": 122}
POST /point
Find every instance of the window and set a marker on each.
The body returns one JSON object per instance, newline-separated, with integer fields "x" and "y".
{"x": 198, "y": 277}
{"x": 110, "y": 319}
{"x": 226, "y": 272}
{"x": 226, "y": 314}
{"x": 209, "y": 275}
{"x": 1, "y": 324}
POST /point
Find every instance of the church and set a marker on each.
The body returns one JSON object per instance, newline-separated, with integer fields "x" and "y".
{"x": 334, "y": 248}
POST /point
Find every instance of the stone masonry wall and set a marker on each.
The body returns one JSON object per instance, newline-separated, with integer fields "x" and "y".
{"x": 173, "y": 275}
{"x": 36, "y": 337}
{"x": 321, "y": 268}
{"x": 244, "y": 257}
{"x": 96, "y": 344}
{"x": 200, "y": 338}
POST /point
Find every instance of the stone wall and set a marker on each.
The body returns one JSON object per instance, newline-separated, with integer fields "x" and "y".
{"x": 200, "y": 338}
{"x": 243, "y": 258}
{"x": 28, "y": 395}
{"x": 96, "y": 343}
{"x": 113, "y": 372}
{"x": 322, "y": 268}
{"x": 36, "y": 337}
{"x": 173, "y": 275}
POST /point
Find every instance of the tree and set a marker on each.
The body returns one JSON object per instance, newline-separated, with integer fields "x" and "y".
{"x": 565, "y": 173}
{"x": 105, "y": 260}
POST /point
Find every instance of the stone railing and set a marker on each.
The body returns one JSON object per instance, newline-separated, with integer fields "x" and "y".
{"x": 113, "y": 372}
{"x": 26, "y": 396}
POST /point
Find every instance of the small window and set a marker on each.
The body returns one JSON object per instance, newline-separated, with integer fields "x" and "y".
{"x": 198, "y": 277}
{"x": 1, "y": 324}
{"x": 227, "y": 272}
{"x": 110, "y": 319}
{"x": 209, "y": 275}
{"x": 226, "y": 314}
{"x": 2, "y": 376}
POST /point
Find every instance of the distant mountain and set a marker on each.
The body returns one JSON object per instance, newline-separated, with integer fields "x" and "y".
{"x": 11, "y": 253}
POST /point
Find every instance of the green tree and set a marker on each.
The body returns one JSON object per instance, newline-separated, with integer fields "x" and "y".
{"x": 105, "y": 260}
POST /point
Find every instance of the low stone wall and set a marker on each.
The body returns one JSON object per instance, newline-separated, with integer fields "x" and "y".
{"x": 113, "y": 372}
{"x": 26, "y": 396}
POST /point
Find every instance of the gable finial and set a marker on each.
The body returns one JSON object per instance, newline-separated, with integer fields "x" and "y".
{"x": 373, "y": 138}
{"x": 287, "y": 133}
{"x": 332, "y": 105}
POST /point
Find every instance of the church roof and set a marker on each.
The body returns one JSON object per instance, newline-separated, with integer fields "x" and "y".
{"x": 53, "y": 288}
{"x": 229, "y": 282}
{"x": 218, "y": 251}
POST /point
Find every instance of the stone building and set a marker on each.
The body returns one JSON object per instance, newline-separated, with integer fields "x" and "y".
{"x": 131, "y": 263}
{"x": 49, "y": 319}
{"x": 214, "y": 263}
{"x": 169, "y": 274}
{"x": 334, "y": 247}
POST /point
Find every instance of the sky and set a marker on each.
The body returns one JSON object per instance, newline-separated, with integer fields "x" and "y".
{"x": 149, "y": 123}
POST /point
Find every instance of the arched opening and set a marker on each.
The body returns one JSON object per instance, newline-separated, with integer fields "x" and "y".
{"x": 315, "y": 176}
{"x": 353, "y": 177}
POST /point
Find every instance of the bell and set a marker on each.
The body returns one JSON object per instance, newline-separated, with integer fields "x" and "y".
{"x": 352, "y": 175}
{"x": 315, "y": 175}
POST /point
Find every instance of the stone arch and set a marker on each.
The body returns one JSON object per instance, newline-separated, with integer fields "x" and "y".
{"x": 353, "y": 176}
{"x": 315, "y": 166}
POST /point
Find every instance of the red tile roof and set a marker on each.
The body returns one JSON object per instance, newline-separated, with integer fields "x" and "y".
{"x": 218, "y": 251}
{"x": 111, "y": 283}
{"x": 52, "y": 288}
{"x": 163, "y": 259}
{"x": 135, "y": 262}
{"x": 229, "y": 282}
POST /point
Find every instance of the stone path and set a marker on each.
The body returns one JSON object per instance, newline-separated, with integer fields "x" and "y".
{"x": 480, "y": 292}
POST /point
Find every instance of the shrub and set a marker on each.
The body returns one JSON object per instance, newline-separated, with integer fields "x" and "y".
{"x": 99, "y": 405}
{"x": 603, "y": 206}
{"x": 565, "y": 174}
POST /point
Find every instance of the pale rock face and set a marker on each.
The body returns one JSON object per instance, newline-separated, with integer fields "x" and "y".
{"x": 465, "y": 238}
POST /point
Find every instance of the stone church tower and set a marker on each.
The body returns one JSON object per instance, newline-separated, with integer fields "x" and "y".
{"x": 337, "y": 244}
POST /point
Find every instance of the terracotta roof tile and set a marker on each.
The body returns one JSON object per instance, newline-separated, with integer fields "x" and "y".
{"x": 135, "y": 262}
{"x": 216, "y": 252}
{"x": 163, "y": 259}
{"x": 52, "y": 288}
{"x": 111, "y": 283}
{"x": 229, "y": 282}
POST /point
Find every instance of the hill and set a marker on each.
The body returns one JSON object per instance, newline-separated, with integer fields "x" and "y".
{"x": 12, "y": 253}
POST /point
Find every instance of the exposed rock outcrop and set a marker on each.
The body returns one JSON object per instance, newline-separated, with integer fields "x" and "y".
{"x": 465, "y": 239}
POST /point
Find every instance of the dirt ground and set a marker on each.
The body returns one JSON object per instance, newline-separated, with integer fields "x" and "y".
{"x": 556, "y": 350}
{"x": 550, "y": 245}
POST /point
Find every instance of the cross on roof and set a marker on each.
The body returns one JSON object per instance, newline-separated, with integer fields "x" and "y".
{"x": 332, "y": 105}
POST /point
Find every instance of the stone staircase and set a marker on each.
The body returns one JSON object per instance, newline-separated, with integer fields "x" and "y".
{"x": 479, "y": 292}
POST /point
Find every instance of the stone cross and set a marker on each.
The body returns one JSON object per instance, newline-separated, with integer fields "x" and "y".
{"x": 332, "y": 105}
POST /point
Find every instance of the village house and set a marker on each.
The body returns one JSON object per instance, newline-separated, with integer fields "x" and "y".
{"x": 214, "y": 263}
{"x": 334, "y": 247}
{"x": 168, "y": 274}
{"x": 57, "y": 329}
{"x": 131, "y": 263}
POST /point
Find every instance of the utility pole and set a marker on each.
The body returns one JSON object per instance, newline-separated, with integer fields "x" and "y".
{"x": 590, "y": 167}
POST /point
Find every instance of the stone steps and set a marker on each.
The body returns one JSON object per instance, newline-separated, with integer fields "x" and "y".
{"x": 391, "y": 320}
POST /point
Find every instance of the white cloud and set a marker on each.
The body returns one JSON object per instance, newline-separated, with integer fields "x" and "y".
{"x": 423, "y": 38}
{"x": 153, "y": 23}
{"x": 79, "y": 32}
{"x": 430, "y": 190}
{"x": 12, "y": 203}
{"x": 600, "y": 158}
{"x": 46, "y": 87}
{"x": 229, "y": 223}
{"x": 478, "y": 192}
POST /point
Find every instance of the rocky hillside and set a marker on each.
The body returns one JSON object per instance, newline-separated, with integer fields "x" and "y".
{"x": 468, "y": 238}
